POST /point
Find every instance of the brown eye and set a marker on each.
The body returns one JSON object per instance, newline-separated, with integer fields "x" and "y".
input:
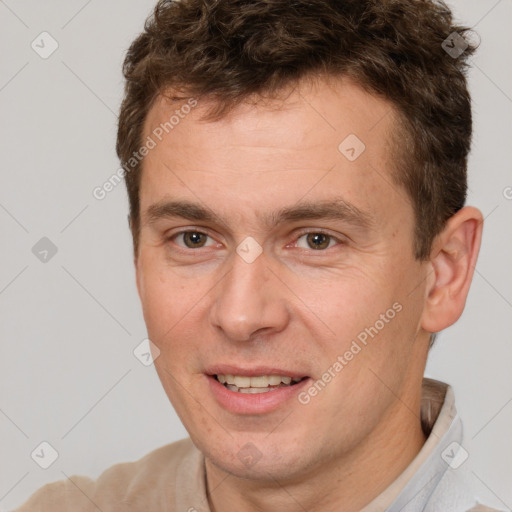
{"x": 316, "y": 241}
{"x": 193, "y": 239}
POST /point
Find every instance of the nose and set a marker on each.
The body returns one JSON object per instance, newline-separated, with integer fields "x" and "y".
{"x": 250, "y": 301}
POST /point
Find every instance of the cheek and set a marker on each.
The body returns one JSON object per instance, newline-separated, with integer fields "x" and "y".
{"x": 369, "y": 316}
{"x": 163, "y": 299}
{"x": 346, "y": 301}
{"x": 174, "y": 312}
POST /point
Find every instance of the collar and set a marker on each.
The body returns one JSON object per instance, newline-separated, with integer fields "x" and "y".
{"x": 441, "y": 423}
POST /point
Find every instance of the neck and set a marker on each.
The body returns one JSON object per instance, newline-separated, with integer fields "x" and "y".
{"x": 345, "y": 484}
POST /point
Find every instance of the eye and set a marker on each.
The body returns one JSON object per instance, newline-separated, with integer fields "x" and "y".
{"x": 192, "y": 239}
{"x": 316, "y": 241}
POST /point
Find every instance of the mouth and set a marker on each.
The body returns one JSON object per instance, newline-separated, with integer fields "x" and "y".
{"x": 254, "y": 391}
{"x": 256, "y": 384}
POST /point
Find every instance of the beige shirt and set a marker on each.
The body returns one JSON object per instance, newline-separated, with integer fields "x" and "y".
{"x": 173, "y": 479}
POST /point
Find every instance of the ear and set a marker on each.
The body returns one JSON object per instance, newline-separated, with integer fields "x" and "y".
{"x": 135, "y": 254}
{"x": 138, "y": 279}
{"x": 452, "y": 259}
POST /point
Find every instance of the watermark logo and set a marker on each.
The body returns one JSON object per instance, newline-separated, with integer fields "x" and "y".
{"x": 44, "y": 45}
{"x": 146, "y": 352}
{"x": 351, "y": 147}
{"x": 454, "y": 455}
{"x": 44, "y": 455}
{"x": 454, "y": 45}
{"x": 44, "y": 250}
{"x": 249, "y": 249}
{"x": 249, "y": 455}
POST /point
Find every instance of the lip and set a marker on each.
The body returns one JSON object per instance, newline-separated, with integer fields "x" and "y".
{"x": 258, "y": 403}
{"x": 253, "y": 371}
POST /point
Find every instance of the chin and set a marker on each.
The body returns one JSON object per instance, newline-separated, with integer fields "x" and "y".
{"x": 252, "y": 457}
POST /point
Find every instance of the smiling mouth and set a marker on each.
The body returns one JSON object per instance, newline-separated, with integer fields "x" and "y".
{"x": 258, "y": 384}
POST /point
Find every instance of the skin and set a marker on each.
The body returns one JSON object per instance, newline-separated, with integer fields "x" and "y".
{"x": 295, "y": 307}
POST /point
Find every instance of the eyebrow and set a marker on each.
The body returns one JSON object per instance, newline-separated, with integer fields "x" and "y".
{"x": 332, "y": 209}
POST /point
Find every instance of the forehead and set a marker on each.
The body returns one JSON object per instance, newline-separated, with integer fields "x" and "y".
{"x": 320, "y": 139}
{"x": 314, "y": 111}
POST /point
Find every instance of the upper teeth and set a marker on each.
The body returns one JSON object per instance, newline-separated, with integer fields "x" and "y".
{"x": 261, "y": 381}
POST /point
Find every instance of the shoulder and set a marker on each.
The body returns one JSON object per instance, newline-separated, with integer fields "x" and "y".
{"x": 456, "y": 491}
{"x": 124, "y": 486}
{"x": 483, "y": 508}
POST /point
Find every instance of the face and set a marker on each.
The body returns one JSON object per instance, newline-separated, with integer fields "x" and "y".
{"x": 276, "y": 254}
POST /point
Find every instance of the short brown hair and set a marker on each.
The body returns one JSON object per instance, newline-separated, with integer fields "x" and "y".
{"x": 228, "y": 50}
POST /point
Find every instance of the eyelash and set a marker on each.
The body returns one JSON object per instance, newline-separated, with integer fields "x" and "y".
{"x": 298, "y": 236}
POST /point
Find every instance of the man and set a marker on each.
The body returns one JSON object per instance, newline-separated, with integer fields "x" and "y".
{"x": 297, "y": 178}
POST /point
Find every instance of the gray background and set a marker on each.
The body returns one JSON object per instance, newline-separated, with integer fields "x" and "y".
{"x": 69, "y": 326}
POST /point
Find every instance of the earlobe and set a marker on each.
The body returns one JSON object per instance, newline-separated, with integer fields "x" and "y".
{"x": 136, "y": 263}
{"x": 138, "y": 277}
{"x": 453, "y": 259}
{"x": 135, "y": 253}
